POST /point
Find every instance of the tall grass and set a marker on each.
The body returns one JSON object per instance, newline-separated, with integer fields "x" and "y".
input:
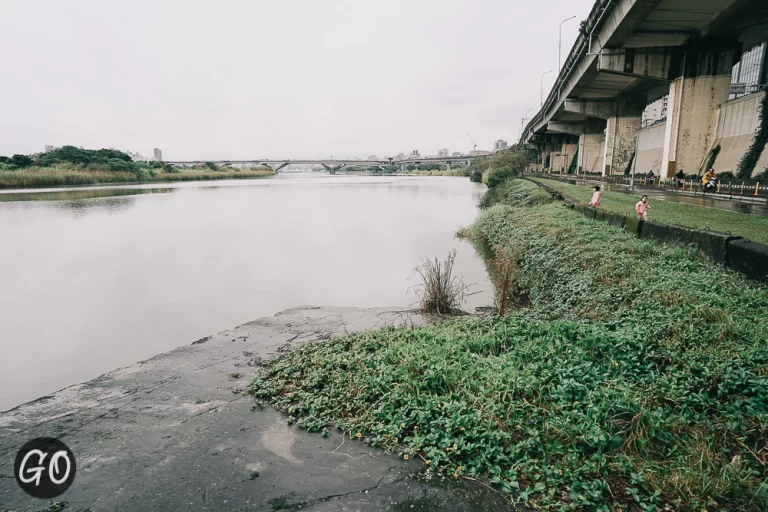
{"x": 63, "y": 175}
{"x": 440, "y": 290}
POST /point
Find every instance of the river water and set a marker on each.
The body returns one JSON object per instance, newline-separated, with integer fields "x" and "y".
{"x": 92, "y": 279}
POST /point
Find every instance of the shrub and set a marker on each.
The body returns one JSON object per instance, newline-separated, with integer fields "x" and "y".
{"x": 476, "y": 176}
{"x": 120, "y": 165}
{"x": 497, "y": 176}
{"x": 761, "y": 177}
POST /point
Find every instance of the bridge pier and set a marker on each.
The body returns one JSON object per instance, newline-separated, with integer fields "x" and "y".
{"x": 276, "y": 169}
{"x": 332, "y": 170}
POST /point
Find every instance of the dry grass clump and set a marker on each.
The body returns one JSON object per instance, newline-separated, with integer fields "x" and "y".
{"x": 441, "y": 292}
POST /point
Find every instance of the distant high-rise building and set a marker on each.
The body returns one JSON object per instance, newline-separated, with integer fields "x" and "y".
{"x": 442, "y": 153}
{"x": 158, "y": 155}
{"x": 48, "y": 148}
{"x": 655, "y": 111}
{"x": 480, "y": 152}
{"x": 499, "y": 144}
{"x": 137, "y": 157}
{"x": 415, "y": 153}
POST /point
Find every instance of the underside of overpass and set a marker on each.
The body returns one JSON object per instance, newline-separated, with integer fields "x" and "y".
{"x": 631, "y": 53}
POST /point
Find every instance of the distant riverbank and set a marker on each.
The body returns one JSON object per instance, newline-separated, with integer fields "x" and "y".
{"x": 60, "y": 176}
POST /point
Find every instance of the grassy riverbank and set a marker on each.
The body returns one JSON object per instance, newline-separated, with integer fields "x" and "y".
{"x": 67, "y": 174}
{"x": 749, "y": 226}
{"x": 636, "y": 377}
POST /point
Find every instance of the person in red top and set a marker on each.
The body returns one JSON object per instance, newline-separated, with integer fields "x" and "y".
{"x": 642, "y": 208}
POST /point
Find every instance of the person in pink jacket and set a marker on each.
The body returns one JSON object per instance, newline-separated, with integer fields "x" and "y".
{"x": 596, "y": 197}
{"x": 642, "y": 208}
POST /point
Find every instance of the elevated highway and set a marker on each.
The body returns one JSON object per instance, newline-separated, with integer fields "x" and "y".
{"x": 632, "y": 52}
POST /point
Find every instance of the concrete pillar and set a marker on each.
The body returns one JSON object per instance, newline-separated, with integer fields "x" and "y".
{"x": 620, "y": 135}
{"x": 691, "y": 121}
{"x": 591, "y": 152}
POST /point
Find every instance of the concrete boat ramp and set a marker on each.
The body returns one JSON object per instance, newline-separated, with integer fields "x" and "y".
{"x": 174, "y": 434}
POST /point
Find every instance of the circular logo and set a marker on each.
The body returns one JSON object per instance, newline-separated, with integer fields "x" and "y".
{"x": 44, "y": 468}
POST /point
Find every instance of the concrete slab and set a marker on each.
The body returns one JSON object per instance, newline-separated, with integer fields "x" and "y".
{"x": 175, "y": 433}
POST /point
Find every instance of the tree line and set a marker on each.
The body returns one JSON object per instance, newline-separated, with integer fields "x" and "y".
{"x": 93, "y": 159}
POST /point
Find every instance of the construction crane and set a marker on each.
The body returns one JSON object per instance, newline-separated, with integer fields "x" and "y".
{"x": 474, "y": 144}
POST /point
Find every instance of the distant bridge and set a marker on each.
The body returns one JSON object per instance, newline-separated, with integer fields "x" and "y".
{"x": 333, "y": 165}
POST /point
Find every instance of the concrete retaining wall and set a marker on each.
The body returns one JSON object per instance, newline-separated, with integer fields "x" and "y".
{"x": 737, "y": 122}
{"x": 734, "y": 252}
{"x": 650, "y": 148}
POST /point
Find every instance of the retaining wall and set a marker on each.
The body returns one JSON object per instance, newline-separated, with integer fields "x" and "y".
{"x": 734, "y": 252}
{"x": 737, "y": 123}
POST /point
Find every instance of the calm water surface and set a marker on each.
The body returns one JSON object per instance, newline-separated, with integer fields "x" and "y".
{"x": 98, "y": 278}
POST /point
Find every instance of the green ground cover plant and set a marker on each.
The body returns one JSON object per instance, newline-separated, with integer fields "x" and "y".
{"x": 636, "y": 379}
{"x": 751, "y": 227}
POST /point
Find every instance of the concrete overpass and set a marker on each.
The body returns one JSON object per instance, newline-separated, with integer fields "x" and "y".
{"x": 632, "y": 52}
{"x": 332, "y": 165}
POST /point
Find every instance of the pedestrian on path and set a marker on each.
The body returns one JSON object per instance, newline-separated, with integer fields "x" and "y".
{"x": 649, "y": 177}
{"x": 642, "y": 208}
{"x": 596, "y": 196}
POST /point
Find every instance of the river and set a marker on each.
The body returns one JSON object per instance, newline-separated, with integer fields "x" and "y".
{"x": 95, "y": 278}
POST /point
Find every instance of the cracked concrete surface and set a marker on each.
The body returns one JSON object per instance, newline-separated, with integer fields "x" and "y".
{"x": 172, "y": 434}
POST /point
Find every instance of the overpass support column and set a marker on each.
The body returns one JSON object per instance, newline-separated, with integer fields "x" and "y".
{"x": 690, "y": 122}
{"x": 620, "y": 136}
{"x": 591, "y": 152}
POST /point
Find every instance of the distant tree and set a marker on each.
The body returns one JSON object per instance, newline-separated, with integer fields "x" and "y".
{"x": 21, "y": 161}
{"x": 74, "y": 155}
{"x": 120, "y": 165}
{"x": 4, "y": 160}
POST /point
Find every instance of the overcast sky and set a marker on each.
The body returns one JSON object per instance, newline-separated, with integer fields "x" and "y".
{"x": 275, "y": 79}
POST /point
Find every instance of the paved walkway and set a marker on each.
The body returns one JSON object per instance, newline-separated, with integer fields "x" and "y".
{"x": 721, "y": 203}
{"x": 169, "y": 434}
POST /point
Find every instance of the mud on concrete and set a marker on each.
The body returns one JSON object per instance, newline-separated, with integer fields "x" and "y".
{"x": 177, "y": 433}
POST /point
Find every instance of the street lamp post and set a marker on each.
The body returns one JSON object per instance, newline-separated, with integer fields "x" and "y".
{"x": 560, "y": 44}
{"x": 524, "y": 119}
{"x": 542, "y": 86}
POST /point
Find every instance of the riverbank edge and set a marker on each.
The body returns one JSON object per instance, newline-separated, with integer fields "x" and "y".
{"x": 733, "y": 251}
{"x": 139, "y": 433}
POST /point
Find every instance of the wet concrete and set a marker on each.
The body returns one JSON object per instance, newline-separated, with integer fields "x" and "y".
{"x": 175, "y": 433}
{"x": 735, "y": 204}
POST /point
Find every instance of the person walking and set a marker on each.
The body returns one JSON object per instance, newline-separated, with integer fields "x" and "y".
{"x": 596, "y": 196}
{"x": 642, "y": 208}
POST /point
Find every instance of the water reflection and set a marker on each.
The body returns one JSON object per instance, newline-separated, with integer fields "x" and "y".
{"x": 71, "y": 195}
